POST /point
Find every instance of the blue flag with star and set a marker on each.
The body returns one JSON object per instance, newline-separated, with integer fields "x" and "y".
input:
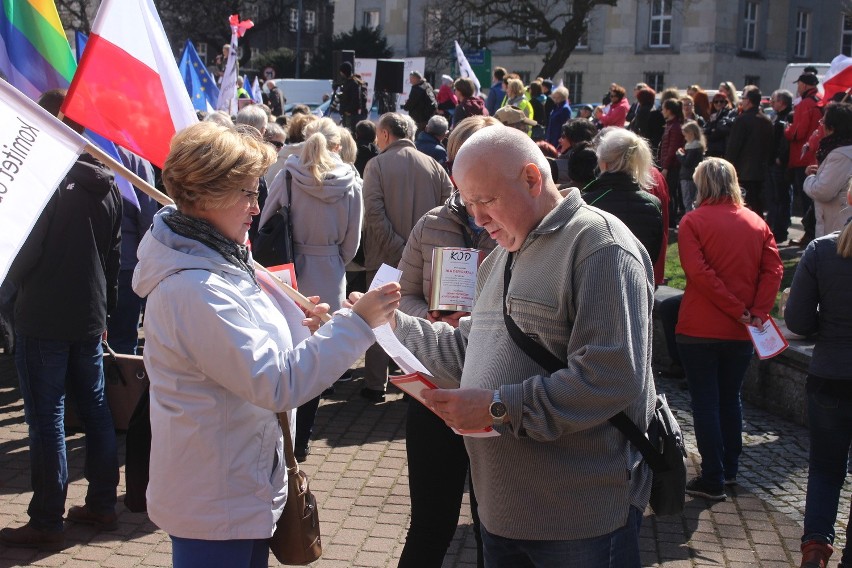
{"x": 200, "y": 85}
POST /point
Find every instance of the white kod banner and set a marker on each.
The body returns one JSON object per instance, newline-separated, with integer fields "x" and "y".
{"x": 36, "y": 151}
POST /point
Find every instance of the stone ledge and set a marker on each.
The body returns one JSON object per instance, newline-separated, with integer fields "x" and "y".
{"x": 776, "y": 385}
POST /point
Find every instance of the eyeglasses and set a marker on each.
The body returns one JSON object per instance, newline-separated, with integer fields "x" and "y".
{"x": 276, "y": 143}
{"x": 253, "y": 197}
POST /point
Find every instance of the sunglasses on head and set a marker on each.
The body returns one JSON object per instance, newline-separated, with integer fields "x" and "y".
{"x": 276, "y": 143}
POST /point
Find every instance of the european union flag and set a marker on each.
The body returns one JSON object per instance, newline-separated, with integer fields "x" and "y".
{"x": 200, "y": 85}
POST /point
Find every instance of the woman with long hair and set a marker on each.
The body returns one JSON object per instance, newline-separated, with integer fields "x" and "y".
{"x": 820, "y": 305}
{"x": 327, "y": 210}
{"x": 826, "y": 182}
{"x": 725, "y": 292}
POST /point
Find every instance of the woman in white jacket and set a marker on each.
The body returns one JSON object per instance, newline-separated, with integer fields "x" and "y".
{"x": 826, "y": 184}
{"x": 225, "y": 351}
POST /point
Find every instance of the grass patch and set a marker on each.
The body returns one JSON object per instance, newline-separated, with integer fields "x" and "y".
{"x": 677, "y": 279}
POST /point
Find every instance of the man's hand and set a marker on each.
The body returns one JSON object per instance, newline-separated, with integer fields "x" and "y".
{"x": 463, "y": 409}
{"x": 453, "y": 318}
{"x": 811, "y": 170}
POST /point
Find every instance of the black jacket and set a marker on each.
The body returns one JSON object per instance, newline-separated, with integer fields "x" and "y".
{"x": 750, "y": 144}
{"x": 421, "y": 103}
{"x": 350, "y": 97}
{"x": 67, "y": 271}
{"x": 716, "y": 131}
{"x": 781, "y": 146}
{"x": 619, "y": 194}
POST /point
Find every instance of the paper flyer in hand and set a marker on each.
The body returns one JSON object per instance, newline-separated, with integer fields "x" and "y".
{"x": 415, "y": 384}
{"x": 767, "y": 339}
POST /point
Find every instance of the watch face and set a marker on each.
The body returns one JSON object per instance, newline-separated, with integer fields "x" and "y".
{"x": 497, "y": 410}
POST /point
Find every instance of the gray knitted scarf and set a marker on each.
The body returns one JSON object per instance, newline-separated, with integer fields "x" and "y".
{"x": 203, "y": 232}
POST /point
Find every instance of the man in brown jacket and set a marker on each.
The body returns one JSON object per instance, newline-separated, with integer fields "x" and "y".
{"x": 400, "y": 185}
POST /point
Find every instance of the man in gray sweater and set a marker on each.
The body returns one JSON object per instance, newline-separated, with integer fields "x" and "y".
{"x": 560, "y": 486}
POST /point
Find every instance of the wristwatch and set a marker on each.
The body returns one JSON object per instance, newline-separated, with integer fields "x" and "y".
{"x": 497, "y": 409}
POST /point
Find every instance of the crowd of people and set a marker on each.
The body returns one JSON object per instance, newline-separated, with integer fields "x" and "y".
{"x": 574, "y": 214}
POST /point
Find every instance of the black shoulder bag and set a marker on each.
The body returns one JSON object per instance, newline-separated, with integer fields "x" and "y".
{"x": 274, "y": 244}
{"x": 662, "y": 446}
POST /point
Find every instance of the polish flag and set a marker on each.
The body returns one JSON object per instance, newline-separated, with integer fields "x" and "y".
{"x": 838, "y": 78}
{"x": 127, "y": 87}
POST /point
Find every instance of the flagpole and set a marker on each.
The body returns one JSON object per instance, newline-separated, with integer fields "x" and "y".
{"x": 164, "y": 199}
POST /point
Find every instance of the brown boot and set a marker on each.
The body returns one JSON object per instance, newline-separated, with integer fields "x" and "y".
{"x": 107, "y": 521}
{"x": 815, "y": 554}
{"x": 30, "y": 537}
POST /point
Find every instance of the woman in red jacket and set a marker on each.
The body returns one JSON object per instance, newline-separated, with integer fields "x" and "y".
{"x": 667, "y": 158}
{"x": 733, "y": 272}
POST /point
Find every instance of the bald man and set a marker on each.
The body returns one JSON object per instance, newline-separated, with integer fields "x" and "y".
{"x": 560, "y": 486}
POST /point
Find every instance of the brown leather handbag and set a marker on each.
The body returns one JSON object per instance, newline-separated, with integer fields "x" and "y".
{"x": 297, "y": 539}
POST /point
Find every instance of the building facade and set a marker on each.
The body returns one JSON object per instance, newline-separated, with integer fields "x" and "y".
{"x": 659, "y": 42}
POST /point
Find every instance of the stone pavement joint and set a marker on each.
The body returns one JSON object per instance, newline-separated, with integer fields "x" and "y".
{"x": 359, "y": 474}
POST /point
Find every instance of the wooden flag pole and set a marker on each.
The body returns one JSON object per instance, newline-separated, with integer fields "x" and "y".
{"x": 164, "y": 199}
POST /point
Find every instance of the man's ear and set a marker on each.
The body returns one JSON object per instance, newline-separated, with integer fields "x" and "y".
{"x": 533, "y": 177}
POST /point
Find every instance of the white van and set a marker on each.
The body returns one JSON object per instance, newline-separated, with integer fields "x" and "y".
{"x": 793, "y": 70}
{"x": 304, "y": 91}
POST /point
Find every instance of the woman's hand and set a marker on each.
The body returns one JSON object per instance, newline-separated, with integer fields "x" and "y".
{"x": 453, "y": 318}
{"x": 377, "y": 306}
{"x": 811, "y": 170}
{"x": 312, "y": 319}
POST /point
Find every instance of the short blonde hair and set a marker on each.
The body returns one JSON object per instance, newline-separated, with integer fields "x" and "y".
{"x": 209, "y": 162}
{"x": 322, "y": 137}
{"x": 296, "y": 127}
{"x": 465, "y": 130}
{"x": 716, "y": 180}
{"x": 514, "y": 88}
{"x": 693, "y": 128}
{"x": 348, "y": 147}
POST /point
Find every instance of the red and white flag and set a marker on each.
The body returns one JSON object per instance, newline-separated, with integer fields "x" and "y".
{"x": 838, "y": 78}
{"x": 127, "y": 87}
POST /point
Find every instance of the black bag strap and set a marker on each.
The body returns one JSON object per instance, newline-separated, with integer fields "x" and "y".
{"x": 289, "y": 178}
{"x": 289, "y": 455}
{"x": 551, "y": 363}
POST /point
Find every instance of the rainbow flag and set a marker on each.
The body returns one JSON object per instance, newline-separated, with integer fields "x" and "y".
{"x": 34, "y": 52}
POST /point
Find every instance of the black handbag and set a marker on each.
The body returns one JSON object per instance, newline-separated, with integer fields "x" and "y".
{"x": 662, "y": 446}
{"x": 296, "y": 540}
{"x": 274, "y": 242}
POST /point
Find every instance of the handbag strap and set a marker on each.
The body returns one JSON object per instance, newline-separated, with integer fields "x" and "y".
{"x": 289, "y": 178}
{"x": 289, "y": 455}
{"x": 551, "y": 363}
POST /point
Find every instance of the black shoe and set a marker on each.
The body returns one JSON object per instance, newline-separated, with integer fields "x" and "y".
{"x": 345, "y": 377}
{"x": 327, "y": 392}
{"x": 302, "y": 452}
{"x": 373, "y": 395}
{"x": 697, "y": 487}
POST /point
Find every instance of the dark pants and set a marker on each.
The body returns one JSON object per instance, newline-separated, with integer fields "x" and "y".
{"x": 715, "y": 373}
{"x": 618, "y": 549}
{"x": 668, "y": 310}
{"x": 437, "y": 471}
{"x": 47, "y": 369}
{"x": 830, "y": 428}
{"x": 195, "y": 553}
{"x": 753, "y": 195}
{"x": 376, "y": 361}
{"x": 123, "y": 324}
{"x": 305, "y": 417}
{"x": 805, "y": 203}
{"x": 779, "y": 196}
{"x": 676, "y": 209}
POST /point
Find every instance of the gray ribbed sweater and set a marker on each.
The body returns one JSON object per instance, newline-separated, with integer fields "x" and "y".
{"x": 582, "y": 285}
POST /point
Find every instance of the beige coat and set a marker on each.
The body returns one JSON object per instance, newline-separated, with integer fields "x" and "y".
{"x": 400, "y": 185}
{"x": 828, "y": 190}
{"x": 441, "y": 227}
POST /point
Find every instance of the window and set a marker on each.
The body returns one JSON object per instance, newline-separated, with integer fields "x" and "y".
{"x": 255, "y": 53}
{"x": 574, "y": 84}
{"x": 372, "y": 19}
{"x": 846, "y": 36}
{"x": 752, "y": 80}
{"x": 432, "y": 31}
{"x": 294, "y": 19}
{"x": 661, "y": 24}
{"x": 201, "y": 48}
{"x": 307, "y": 57}
{"x": 523, "y": 33}
{"x": 750, "y": 27}
{"x": 310, "y": 22}
{"x": 655, "y": 80}
{"x": 250, "y": 11}
{"x": 477, "y": 30}
{"x": 801, "y": 47}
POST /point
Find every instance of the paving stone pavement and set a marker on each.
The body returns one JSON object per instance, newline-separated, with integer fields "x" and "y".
{"x": 359, "y": 475}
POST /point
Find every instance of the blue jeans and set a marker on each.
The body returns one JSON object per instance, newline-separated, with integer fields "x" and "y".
{"x": 196, "y": 553}
{"x": 618, "y": 549}
{"x": 123, "y": 322}
{"x": 47, "y": 369}
{"x": 830, "y": 427}
{"x": 715, "y": 373}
